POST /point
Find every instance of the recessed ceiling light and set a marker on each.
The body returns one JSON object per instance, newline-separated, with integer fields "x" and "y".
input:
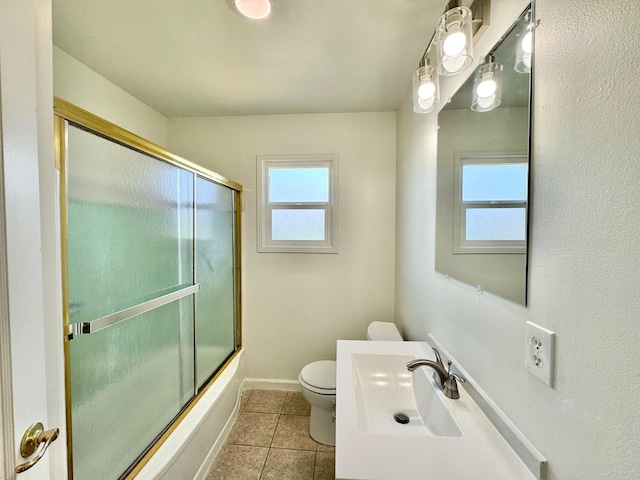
{"x": 254, "y": 9}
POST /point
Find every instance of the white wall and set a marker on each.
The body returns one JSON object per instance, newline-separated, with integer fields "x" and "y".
{"x": 295, "y": 306}
{"x": 584, "y": 261}
{"x": 76, "y": 83}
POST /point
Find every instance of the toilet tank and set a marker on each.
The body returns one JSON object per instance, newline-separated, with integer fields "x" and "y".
{"x": 383, "y": 331}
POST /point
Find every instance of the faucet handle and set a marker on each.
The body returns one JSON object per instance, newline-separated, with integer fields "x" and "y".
{"x": 438, "y": 357}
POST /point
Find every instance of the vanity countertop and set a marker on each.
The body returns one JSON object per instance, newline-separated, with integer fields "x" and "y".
{"x": 480, "y": 453}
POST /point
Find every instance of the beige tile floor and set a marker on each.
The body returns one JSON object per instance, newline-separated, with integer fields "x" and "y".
{"x": 270, "y": 441}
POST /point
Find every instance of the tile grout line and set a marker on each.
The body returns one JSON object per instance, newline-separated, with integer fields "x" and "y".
{"x": 272, "y": 437}
{"x": 315, "y": 462}
{"x": 269, "y": 447}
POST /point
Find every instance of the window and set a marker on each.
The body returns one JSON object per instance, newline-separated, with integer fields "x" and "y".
{"x": 490, "y": 211}
{"x": 297, "y": 209}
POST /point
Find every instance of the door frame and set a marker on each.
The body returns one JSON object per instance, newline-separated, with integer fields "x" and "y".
{"x": 6, "y": 399}
{"x": 32, "y": 370}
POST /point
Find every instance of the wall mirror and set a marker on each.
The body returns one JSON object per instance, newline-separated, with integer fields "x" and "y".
{"x": 483, "y": 171}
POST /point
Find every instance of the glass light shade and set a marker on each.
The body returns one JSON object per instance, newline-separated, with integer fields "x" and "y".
{"x": 254, "y": 9}
{"x": 524, "y": 45}
{"x": 425, "y": 89}
{"x": 487, "y": 86}
{"x": 455, "y": 41}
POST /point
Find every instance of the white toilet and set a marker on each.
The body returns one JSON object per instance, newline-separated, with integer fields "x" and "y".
{"x": 318, "y": 385}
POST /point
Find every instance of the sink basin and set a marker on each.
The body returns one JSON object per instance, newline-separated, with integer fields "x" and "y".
{"x": 444, "y": 438}
{"x": 384, "y": 388}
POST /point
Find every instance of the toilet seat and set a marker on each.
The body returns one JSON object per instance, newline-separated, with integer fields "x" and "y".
{"x": 319, "y": 377}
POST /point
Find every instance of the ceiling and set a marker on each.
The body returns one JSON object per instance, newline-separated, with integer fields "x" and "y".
{"x": 201, "y": 58}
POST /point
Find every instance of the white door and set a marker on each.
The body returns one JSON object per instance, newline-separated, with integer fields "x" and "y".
{"x": 31, "y": 350}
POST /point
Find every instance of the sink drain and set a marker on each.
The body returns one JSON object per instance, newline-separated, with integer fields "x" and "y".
{"x": 401, "y": 418}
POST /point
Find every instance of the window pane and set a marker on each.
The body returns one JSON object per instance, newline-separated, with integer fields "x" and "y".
{"x": 299, "y": 184}
{"x": 297, "y": 224}
{"x": 494, "y": 182}
{"x": 496, "y": 224}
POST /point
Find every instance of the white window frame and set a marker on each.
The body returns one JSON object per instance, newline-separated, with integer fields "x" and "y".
{"x": 265, "y": 208}
{"x": 460, "y": 244}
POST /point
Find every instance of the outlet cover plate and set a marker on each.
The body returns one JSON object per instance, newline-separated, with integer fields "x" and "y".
{"x": 540, "y": 352}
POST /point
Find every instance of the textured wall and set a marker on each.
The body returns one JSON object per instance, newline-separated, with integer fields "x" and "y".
{"x": 584, "y": 264}
{"x": 295, "y": 306}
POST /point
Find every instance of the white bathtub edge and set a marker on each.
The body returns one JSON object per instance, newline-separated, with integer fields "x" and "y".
{"x": 247, "y": 384}
{"x": 217, "y": 445}
{"x": 164, "y": 464}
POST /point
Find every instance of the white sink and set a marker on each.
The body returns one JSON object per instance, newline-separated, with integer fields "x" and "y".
{"x": 445, "y": 438}
{"x": 384, "y": 388}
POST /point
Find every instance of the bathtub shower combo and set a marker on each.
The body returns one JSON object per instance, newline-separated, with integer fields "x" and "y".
{"x": 150, "y": 247}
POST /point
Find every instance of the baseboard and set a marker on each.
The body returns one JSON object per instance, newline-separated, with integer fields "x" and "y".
{"x": 270, "y": 384}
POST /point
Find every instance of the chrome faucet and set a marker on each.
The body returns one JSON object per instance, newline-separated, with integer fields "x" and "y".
{"x": 443, "y": 377}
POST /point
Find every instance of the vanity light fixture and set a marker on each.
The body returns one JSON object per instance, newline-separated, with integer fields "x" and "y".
{"x": 455, "y": 40}
{"x": 487, "y": 86}
{"x": 425, "y": 87}
{"x": 253, "y": 9}
{"x": 524, "y": 44}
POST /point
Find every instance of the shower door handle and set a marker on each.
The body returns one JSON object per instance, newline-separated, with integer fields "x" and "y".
{"x": 34, "y": 436}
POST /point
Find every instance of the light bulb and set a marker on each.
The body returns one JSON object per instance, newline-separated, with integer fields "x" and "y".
{"x": 454, "y": 64}
{"x": 455, "y": 49}
{"x": 486, "y": 102}
{"x": 527, "y": 61}
{"x": 426, "y": 103}
{"x": 426, "y": 90}
{"x": 454, "y": 43}
{"x": 527, "y": 42}
{"x": 487, "y": 86}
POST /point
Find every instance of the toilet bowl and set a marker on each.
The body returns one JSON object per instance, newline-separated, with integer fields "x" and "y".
{"x": 318, "y": 386}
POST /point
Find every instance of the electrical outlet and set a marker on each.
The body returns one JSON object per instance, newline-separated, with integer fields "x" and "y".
{"x": 539, "y": 352}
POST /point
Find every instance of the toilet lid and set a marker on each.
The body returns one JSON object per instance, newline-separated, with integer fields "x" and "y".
{"x": 321, "y": 374}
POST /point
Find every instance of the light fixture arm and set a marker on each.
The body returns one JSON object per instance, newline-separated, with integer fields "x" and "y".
{"x": 456, "y": 3}
{"x": 488, "y": 65}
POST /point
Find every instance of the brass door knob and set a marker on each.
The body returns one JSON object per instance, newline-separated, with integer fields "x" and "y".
{"x": 35, "y": 436}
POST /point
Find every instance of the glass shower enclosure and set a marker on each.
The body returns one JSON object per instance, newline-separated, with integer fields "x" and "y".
{"x": 151, "y": 264}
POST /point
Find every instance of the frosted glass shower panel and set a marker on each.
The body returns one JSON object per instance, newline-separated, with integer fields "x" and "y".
{"x": 128, "y": 382}
{"x": 150, "y": 295}
{"x": 130, "y": 226}
{"x": 129, "y": 240}
{"x": 215, "y": 302}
